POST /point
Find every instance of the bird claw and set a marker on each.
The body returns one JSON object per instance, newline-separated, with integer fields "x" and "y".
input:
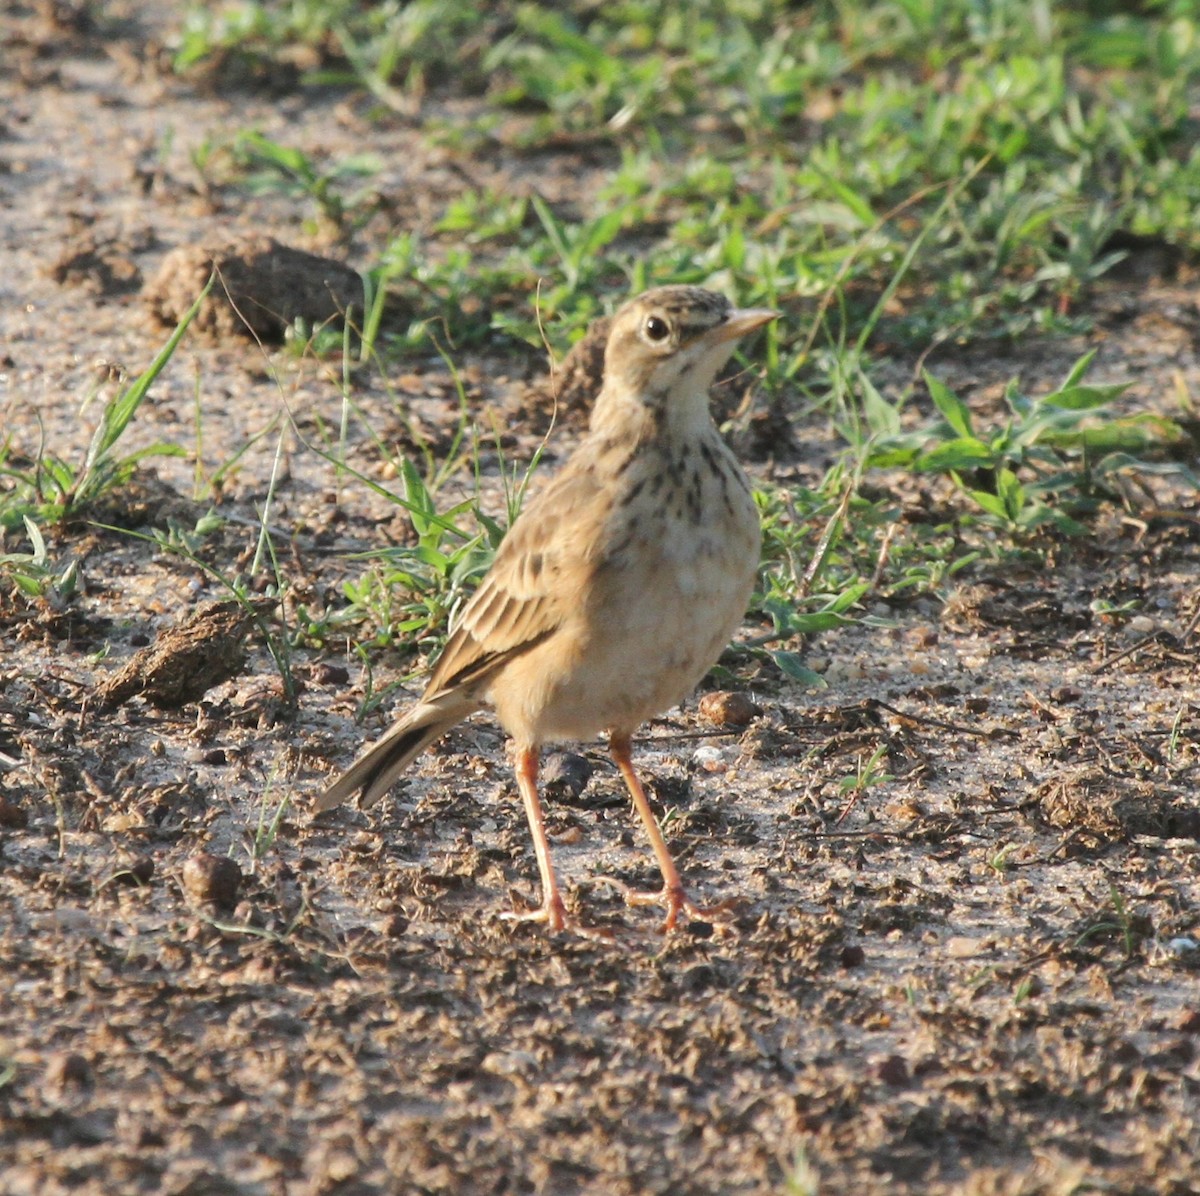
{"x": 554, "y": 914}
{"x": 551, "y": 911}
{"x": 677, "y": 902}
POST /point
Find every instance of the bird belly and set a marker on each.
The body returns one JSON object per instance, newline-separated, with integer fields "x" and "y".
{"x": 658, "y": 614}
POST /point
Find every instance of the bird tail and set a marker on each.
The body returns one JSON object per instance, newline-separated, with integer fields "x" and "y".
{"x": 376, "y": 770}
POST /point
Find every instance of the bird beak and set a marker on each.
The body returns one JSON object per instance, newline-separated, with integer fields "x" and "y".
{"x": 741, "y": 321}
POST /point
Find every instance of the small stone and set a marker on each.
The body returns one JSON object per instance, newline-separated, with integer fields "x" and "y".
{"x": 245, "y": 913}
{"x": 921, "y": 637}
{"x": 331, "y": 674}
{"x": 699, "y": 977}
{"x": 1188, "y": 1021}
{"x": 726, "y": 708}
{"x": 136, "y": 871}
{"x": 853, "y": 956}
{"x": 12, "y": 816}
{"x": 960, "y": 946}
{"x": 710, "y": 758}
{"x": 68, "y": 1068}
{"x": 212, "y": 878}
{"x": 341, "y": 1166}
{"x": 565, "y": 774}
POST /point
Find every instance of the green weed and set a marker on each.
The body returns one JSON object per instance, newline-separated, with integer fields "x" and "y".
{"x": 1117, "y": 921}
{"x": 32, "y": 574}
{"x": 901, "y": 174}
{"x": 1050, "y": 463}
{"x": 52, "y": 490}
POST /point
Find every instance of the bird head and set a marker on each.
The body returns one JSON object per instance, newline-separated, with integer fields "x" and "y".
{"x": 664, "y": 350}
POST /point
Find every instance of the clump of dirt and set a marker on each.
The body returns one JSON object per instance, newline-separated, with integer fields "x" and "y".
{"x": 996, "y": 603}
{"x": 144, "y": 501}
{"x": 1111, "y": 809}
{"x": 187, "y": 660}
{"x": 568, "y": 391}
{"x": 101, "y": 265}
{"x": 261, "y": 289}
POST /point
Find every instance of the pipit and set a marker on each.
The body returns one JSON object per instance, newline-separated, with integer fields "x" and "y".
{"x": 618, "y": 586}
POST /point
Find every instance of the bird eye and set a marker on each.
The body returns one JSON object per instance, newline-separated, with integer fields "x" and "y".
{"x": 657, "y": 328}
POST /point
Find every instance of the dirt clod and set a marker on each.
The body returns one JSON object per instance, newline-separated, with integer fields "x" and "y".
{"x": 569, "y": 390}
{"x": 186, "y": 660}
{"x": 1112, "y": 809}
{"x": 68, "y": 1069}
{"x": 894, "y": 1071}
{"x": 136, "y": 871}
{"x": 12, "y": 816}
{"x": 853, "y": 956}
{"x": 725, "y": 708}
{"x": 565, "y": 774}
{"x": 213, "y": 879}
{"x": 103, "y": 266}
{"x": 262, "y": 288}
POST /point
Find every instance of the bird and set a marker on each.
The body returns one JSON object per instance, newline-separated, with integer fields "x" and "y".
{"x": 616, "y": 588}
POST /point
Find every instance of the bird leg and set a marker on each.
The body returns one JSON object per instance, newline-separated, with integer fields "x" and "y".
{"x": 671, "y": 894}
{"x": 552, "y": 910}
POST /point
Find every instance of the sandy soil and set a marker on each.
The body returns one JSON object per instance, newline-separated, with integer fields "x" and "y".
{"x": 981, "y": 976}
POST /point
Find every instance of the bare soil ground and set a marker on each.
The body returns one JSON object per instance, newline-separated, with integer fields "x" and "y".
{"x": 984, "y": 979}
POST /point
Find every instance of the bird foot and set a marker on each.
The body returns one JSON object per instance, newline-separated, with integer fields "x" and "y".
{"x": 551, "y": 911}
{"x": 677, "y": 902}
{"x": 554, "y": 914}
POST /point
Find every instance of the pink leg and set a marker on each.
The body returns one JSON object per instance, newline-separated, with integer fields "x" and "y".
{"x": 672, "y": 894}
{"x": 552, "y": 910}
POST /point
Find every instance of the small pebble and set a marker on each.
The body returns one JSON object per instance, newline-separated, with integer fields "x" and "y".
{"x": 69, "y": 1067}
{"x": 340, "y": 1166}
{"x": 565, "y": 774}
{"x": 921, "y": 637}
{"x": 212, "y": 878}
{"x": 136, "y": 871}
{"x": 710, "y": 759}
{"x": 960, "y": 946}
{"x": 12, "y": 816}
{"x": 331, "y": 674}
{"x": 728, "y": 709}
{"x": 853, "y": 956}
{"x": 394, "y": 927}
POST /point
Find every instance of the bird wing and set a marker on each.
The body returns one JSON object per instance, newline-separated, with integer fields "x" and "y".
{"x": 533, "y": 585}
